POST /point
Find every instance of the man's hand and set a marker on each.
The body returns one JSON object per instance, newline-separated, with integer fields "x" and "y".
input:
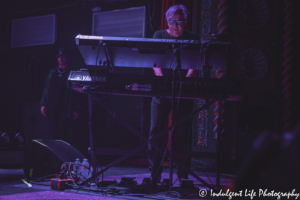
{"x": 78, "y": 90}
{"x": 157, "y": 71}
{"x": 43, "y": 110}
{"x": 191, "y": 73}
{"x": 75, "y": 115}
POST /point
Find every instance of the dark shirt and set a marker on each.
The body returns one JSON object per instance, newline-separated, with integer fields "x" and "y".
{"x": 187, "y": 35}
{"x": 72, "y": 99}
{"x": 57, "y": 90}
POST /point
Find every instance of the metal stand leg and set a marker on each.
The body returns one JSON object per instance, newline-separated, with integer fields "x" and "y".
{"x": 172, "y": 131}
{"x": 92, "y": 148}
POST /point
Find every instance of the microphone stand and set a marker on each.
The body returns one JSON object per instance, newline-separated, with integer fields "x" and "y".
{"x": 177, "y": 66}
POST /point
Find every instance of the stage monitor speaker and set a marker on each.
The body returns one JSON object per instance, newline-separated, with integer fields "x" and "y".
{"x": 33, "y": 31}
{"x": 129, "y": 22}
{"x": 45, "y": 157}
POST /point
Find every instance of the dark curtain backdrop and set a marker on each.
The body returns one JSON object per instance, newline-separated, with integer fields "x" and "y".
{"x": 166, "y": 4}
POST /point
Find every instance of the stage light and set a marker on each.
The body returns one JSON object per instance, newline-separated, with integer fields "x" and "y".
{"x": 11, "y": 141}
{"x": 18, "y": 139}
{"x": 5, "y": 138}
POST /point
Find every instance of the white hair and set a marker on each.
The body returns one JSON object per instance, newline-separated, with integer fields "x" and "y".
{"x": 180, "y": 9}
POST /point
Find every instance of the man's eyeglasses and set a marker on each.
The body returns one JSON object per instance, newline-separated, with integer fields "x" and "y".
{"x": 178, "y": 22}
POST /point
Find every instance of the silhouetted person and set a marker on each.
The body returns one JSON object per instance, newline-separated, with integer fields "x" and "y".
{"x": 60, "y": 103}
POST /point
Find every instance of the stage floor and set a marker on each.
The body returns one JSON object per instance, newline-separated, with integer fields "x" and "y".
{"x": 14, "y": 186}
